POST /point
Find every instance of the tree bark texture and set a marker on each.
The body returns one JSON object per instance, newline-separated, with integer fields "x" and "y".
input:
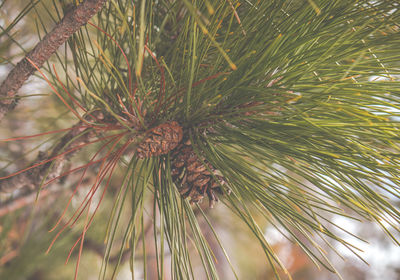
{"x": 71, "y": 22}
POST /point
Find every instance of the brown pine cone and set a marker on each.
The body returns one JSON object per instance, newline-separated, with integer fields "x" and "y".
{"x": 161, "y": 140}
{"x": 193, "y": 178}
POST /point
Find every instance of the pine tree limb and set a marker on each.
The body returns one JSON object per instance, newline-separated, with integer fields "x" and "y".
{"x": 71, "y": 23}
{"x": 32, "y": 178}
{"x": 24, "y": 200}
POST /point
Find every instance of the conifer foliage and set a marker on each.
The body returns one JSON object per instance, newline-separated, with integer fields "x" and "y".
{"x": 284, "y": 111}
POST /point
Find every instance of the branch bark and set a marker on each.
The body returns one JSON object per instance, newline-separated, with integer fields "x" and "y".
{"x": 22, "y": 201}
{"x": 71, "y": 22}
{"x": 33, "y": 177}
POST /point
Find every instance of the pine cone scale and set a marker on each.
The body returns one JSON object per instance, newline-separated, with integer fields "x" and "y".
{"x": 161, "y": 140}
{"x": 194, "y": 177}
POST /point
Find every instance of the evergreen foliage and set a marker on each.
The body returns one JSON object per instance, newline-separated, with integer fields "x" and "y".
{"x": 294, "y": 103}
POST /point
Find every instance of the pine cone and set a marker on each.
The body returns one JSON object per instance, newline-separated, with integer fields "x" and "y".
{"x": 161, "y": 140}
{"x": 192, "y": 176}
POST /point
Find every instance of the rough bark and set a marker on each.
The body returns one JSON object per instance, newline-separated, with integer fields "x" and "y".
{"x": 71, "y": 22}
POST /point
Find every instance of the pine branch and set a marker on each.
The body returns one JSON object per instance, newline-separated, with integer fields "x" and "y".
{"x": 71, "y": 22}
{"x": 25, "y": 200}
{"x": 33, "y": 177}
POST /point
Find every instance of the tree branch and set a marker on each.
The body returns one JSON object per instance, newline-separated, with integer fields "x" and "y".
{"x": 22, "y": 201}
{"x": 33, "y": 177}
{"x": 71, "y": 22}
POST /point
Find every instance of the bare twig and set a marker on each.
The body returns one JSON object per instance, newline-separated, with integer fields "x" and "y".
{"x": 33, "y": 177}
{"x": 71, "y": 22}
{"x": 8, "y": 257}
{"x": 22, "y": 201}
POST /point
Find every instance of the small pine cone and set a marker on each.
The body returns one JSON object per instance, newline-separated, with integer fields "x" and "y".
{"x": 161, "y": 140}
{"x": 193, "y": 178}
